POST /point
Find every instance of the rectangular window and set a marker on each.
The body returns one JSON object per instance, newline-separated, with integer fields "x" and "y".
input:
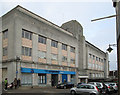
{"x": 5, "y": 51}
{"x": 96, "y": 58}
{"x": 42, "y": 54}
{"x": 99, "y": 59}
{"x": 72, "y": 49}
{"x": 93, "y": 57}
{"x": 42, "y": 39}
{"x": 26, "y": 79}
{"x": 90, "y": 55}
{"x": 72, "y": 61}
{"x": 26, "y": 51}
{"x": 64, "y": 47}
{"x": 26, "y": 34}
{"x": 54, "y": 43}
{"x": 64, "y": 58}
{"x": 5, "y": 34}
{"x": 54, "y": 57}
{"x": 41, "y": 78}
{"x": 89, "y": 65}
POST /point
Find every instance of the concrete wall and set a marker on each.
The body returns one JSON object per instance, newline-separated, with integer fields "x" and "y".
{"x": 8, "y": 23}
{"x": 76, "y": 29}
{"x": 40, "y": 28}
{"x": 100, "y": 54}
{"x": 0, "y": 55}
{"x": 84, "y": 48}
{"x": 106, "y": 66}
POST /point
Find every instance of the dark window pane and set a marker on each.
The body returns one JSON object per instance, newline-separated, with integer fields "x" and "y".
{"x": 42, "y": 39}
{"x": 22, "y": 50}
{"x": 54, "y": 43}
{"x": 22, "y": 34}
{"x": 26, "y": 34}
{"x": 30, "y": 36}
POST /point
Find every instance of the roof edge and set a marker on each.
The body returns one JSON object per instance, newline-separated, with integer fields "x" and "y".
{"x": 95, "y": 47}
{"x": 24, "y": 10}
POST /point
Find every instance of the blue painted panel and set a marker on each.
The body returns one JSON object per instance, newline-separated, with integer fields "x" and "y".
{"x": 64, "y": 77}
{"x": 29, "y": 70}
{"x": 67, "y": 72}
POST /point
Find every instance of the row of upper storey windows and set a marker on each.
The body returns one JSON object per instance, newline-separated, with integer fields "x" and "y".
{"x": 28, "y": 35}
{"x": 41, "y": 39}
{"x": 27, "y": 51}
{"x": 42, "y": 54}
{"x": 93, "y": 57}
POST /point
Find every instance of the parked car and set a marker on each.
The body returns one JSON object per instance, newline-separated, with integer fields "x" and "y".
{"x": 80, "y": 83}
{"x": 87, "y": 89}
{"x": 98, "y": 84}
{"x": 110, "y": 88}
{"x": 65, "y": 85}
{"x": 101, "y": 86}
{"x": 114, "y": 85}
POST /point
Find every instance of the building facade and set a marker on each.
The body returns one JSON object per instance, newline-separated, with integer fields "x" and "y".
{"x": 42, "y": 53}
{"x": 92, "y": 62}
{"x": 37, "y": 51}
{"x": 97, "y": 66}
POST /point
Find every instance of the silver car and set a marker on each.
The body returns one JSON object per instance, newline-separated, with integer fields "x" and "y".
{"x": 110, "y": 88}
{"x": 114, "y": 85}
{"x": 98, "y": 84}
{"x": 87, "y": 89}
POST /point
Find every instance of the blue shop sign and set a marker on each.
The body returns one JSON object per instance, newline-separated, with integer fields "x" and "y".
{"x": 29, "y": 70}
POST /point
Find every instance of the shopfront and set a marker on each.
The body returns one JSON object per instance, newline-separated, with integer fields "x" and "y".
{"x": 43, "y": 76}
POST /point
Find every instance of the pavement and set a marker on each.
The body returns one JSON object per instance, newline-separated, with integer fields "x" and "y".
{"x": 37, "y": 90}
{"x": 25, "y": 90}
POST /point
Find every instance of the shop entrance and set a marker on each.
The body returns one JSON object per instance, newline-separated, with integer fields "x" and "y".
{"x": 64, "y": 78}
{"x": 54, "y": 79}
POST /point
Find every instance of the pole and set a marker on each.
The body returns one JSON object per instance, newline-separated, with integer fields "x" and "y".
{"x": 16, "y": 68}
{"x": 117, "y": 8}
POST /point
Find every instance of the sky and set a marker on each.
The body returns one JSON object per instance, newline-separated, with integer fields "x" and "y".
{"x": 99, "y": 33}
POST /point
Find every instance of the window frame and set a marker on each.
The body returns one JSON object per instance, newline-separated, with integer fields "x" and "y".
{"x": 53, "y": 55}
{"x": 39, "y": 55}
{"x": 42, "y": 78}
{"x": 26, "y": 51}
{"x": 72, "y": 61}
{"x": 5, "y": 51}
{"x": 64, "y": 47}
{"x": 5, "y": 34}
{"x": 54, "y": 43}
{"x": 26, "y": 34}
{"x": 42, "y": 39}
{"x": 72, "y": 49}
{"x": 64, "y": 58}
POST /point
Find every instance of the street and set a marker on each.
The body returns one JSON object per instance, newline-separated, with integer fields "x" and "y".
{"x": 39, "y": 91}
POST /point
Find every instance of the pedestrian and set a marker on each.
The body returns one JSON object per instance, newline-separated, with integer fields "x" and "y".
{"x": 18, "y": 82}
{"x": 6, "y": 84}
{"x": 15, "y": 83}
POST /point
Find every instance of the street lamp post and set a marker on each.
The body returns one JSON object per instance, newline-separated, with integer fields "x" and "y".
{"x": 110, "y": 49}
